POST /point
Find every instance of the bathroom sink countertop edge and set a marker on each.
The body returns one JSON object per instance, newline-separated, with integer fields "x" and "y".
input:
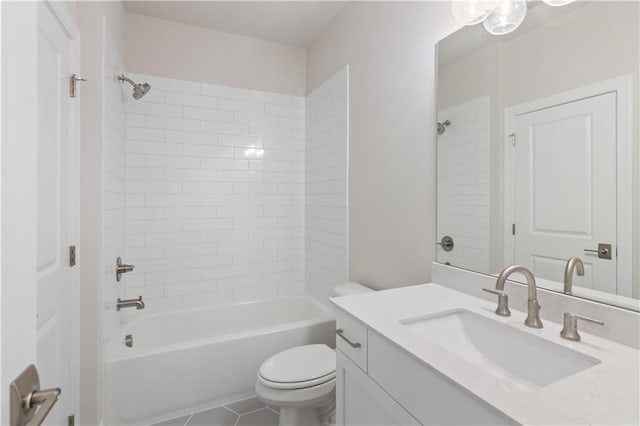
{"x": 606, "y": 393}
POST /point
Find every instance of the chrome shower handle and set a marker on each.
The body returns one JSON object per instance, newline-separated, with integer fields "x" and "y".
{"x": 446, "y": 243}
{"x": 122, "y": 268}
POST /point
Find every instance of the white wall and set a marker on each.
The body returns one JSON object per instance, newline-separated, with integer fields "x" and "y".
{"x": 326, "y": 214}
{"x": 95, "y": 19}
{"x": 390, "y": 50}
{"x": 215, "y": 195}
{"x": 528, "y": 65}
{"x": 113, "y": 185}
{"x": 197, "y": 54}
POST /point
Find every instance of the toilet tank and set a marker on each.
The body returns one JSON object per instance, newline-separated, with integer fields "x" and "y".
{"x": 350, "y": 288}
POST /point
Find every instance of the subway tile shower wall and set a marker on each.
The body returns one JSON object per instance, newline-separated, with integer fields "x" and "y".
{"x": 326, "y": 229}
{"x": 215, "y": 180}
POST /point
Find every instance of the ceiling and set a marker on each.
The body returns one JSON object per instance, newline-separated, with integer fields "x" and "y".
{"x": 296, "y": 23}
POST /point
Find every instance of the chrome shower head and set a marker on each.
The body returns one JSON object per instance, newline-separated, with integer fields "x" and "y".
{"x": 442, "y": 127}
{"x": 139, "y": 89}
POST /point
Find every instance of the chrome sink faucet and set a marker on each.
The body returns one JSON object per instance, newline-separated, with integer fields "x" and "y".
{"x": 533, "y": 307}
{"x": 573, "y": 263}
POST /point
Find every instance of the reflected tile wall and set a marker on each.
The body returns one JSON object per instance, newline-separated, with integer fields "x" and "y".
{"x": 463, "y": 184}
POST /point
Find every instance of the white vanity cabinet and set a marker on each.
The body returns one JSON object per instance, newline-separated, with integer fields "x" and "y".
{"x": 360, "y": 401}
{"x": 378, "y": 383}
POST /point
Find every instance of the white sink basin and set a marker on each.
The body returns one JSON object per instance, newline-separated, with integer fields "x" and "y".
{"x": 523, "y": 360}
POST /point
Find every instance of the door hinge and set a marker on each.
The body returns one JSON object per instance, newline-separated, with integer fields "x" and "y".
{"x": 72, "y": 255}
{"x": 513, "y": 229}
{"x": 513, "y": 139}
{"x": 73, "y": 81}
{"x": 71, "y": 420}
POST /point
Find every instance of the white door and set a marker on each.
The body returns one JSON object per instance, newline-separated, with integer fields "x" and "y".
{"x": 18, "y": 162}
{"x": 565, "y": 189}
{"x": 54, "y": 211}
{"x": 38, "y": 190}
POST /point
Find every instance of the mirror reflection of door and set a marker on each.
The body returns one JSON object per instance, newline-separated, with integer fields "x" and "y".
{"x": 565, "y": 189}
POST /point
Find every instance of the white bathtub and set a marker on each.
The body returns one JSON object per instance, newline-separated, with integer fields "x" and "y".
{"x": 184, "y": 361}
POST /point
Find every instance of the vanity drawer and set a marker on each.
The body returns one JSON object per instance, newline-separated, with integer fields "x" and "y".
{"x": 351, "y": 338}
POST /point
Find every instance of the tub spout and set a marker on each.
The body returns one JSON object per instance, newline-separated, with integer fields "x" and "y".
{"x": 130, "y": 303}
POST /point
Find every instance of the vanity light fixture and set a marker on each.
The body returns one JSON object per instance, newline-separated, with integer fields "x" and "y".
{"x": 506, "y": 17}
{"x": 556, "y": 3}
{"x": 471, "y": 12}
{"x": 497, "y": 16}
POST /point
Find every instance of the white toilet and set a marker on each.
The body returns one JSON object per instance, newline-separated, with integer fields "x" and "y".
{"x": 301, "y": 381}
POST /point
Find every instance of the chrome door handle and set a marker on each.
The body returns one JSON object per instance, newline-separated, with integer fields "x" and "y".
{"x": 46, "y": 399}
{"x": 340, "y": 333}
{"x": 26, "y": 397}
{"x": 603, "y": 251}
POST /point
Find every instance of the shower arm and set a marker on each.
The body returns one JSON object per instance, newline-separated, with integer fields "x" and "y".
{"x": 122, "y": 77}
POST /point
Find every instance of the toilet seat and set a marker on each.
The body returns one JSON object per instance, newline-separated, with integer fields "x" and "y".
{"x": 299, "y": 367}
{"x": 313, "y": 396}
{"x": 297, "y": 385}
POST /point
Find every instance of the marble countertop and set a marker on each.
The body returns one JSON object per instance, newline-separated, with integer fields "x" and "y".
{"x": 607, "y": 393}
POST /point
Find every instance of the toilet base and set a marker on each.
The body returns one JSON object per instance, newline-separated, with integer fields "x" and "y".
{"x": 314, "y": 406}
{"x": 290, "y": 416}
{"x": 319, "y": 416}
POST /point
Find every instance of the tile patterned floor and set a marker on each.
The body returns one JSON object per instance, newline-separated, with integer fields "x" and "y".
{"x": 247, "y": 412}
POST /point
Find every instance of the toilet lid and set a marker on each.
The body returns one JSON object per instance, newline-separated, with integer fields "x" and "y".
{"x": 300, "y": 364}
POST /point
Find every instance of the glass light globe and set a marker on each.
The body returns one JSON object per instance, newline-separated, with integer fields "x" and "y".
{"x": 506, "y": 17}
{"x": 555, "y": 3}
{"x": 471, "y": 12}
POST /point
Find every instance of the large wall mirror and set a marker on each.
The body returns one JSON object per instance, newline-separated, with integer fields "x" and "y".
{"x": 537, "y": 149}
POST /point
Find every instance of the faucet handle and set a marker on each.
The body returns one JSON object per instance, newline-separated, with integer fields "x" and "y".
{"x": 503, "y": 302}
{"x": 570, "y": 328}
{"x": 122, "y": 268}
